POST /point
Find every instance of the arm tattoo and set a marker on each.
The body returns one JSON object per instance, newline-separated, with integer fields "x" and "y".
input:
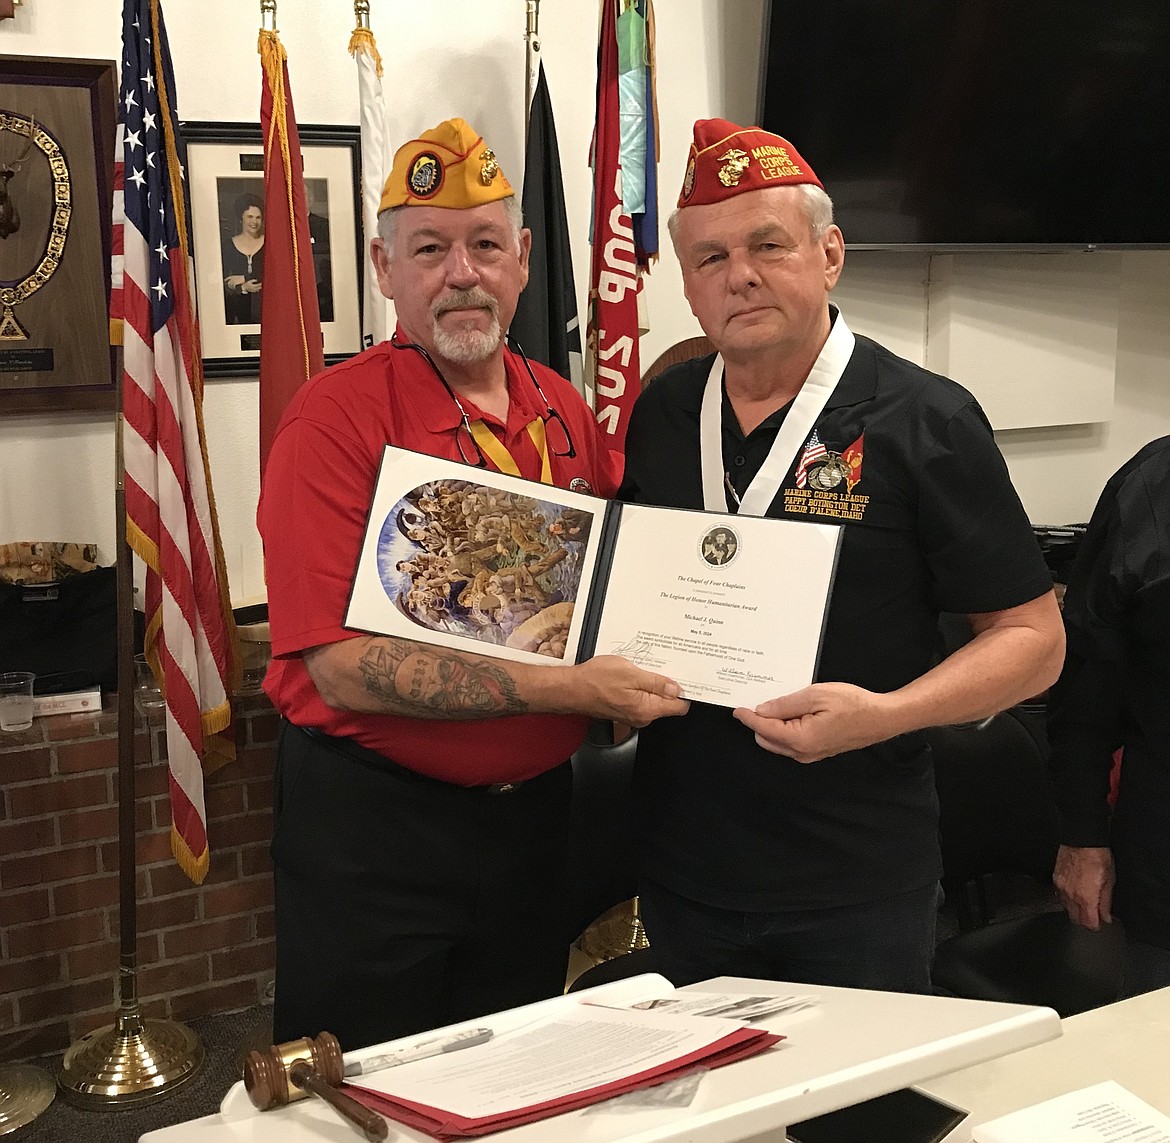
{"x": 418, "y": 681}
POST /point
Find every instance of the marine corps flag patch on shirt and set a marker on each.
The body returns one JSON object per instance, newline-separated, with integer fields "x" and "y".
{"x": 852, "y": 456}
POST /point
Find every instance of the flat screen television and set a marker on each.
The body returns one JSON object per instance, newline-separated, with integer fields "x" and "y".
{"x": 951, "y": 124}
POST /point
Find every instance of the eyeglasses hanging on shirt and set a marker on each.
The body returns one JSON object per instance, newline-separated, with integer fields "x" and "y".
{"x": 545, "y": 432}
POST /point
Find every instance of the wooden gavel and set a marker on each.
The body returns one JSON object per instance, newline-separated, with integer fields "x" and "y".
{"x": 288, "y": 1072}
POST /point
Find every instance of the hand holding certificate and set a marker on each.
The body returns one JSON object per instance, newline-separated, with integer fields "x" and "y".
{"x": 731, "y": 607}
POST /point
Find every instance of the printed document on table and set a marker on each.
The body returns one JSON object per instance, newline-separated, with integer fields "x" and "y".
{"x": 1103, "y": 1113}
{"x": 582, "y": 1048}
{"x": 726, "y": 1005}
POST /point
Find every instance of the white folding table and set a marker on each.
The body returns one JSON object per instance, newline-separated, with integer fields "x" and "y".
{"x": 1128, "y": 1042}
{"x": 850, "y": 1046}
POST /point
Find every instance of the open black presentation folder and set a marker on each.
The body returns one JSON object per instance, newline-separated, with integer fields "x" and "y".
{"x": 472, "y": 559}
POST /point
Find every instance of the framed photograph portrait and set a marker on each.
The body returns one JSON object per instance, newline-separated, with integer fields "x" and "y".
{"x": 57, "y": 120}
{"x": 225, "y": 177}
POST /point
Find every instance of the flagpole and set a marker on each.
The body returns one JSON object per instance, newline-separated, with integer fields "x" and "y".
{"x": 532, "y": 58}
{"x": 132, "y": 1060}
{"x": 268, "y": 15}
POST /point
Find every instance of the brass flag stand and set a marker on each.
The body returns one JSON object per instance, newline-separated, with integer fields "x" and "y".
{"x": 24, "y": 1093}
{"x": 134, "y": 1059}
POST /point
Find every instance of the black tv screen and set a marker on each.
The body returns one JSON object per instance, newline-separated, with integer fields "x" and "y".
{"x": 956, "y": 123}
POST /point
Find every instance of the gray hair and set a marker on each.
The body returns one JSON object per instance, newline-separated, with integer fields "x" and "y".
{"x": 818, "y": 209}
{"x": 388, "y": 223}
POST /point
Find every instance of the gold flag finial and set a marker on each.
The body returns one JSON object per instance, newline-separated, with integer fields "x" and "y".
{"x": 361, "y": 11}
{"x": 268, "y": 15}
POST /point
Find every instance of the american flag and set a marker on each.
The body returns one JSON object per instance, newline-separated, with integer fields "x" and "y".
{"x": 170, "y": 512}
{"x": 813, "y": 451}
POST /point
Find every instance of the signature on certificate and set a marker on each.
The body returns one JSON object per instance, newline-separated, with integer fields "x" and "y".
{"x": 639, "y": 651}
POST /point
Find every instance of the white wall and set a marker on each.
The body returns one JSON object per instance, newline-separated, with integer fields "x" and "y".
{"x": 466, "y": 57}
{"x": 1059, "y": 470}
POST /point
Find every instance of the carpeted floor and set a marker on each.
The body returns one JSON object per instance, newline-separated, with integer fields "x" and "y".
{"x": 226, "y": 1039}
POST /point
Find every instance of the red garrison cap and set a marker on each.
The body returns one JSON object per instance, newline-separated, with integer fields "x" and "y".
{"x": 727, "y": 160}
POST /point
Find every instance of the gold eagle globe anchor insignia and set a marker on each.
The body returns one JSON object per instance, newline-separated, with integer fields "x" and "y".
{"x": 490, "y": 167}
{"x": 736, "y": 163}
{"x": 828, "y": 472}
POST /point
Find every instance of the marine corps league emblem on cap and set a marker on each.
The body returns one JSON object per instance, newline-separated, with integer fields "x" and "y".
{"x": 490, "y": 167}
{"x": 426, "y": 175}
{"x": 736, "y": 162}
{"x": 689, "y": 178}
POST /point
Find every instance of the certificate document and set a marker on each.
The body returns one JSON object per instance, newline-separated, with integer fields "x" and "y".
{"x": 731, "y": 607}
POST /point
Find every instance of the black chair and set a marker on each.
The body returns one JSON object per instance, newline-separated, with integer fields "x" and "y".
{"x": 603, "y": 847}
{"x": 676, "y": 354}
{"x": 602, "y": 842}
{"x": 996, "y": 811}
{"x": 997, "y": 817}
{"x": 1039, "y": 959}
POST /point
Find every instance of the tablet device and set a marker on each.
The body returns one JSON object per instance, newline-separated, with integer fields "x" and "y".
{"x": 905, "y": 1116}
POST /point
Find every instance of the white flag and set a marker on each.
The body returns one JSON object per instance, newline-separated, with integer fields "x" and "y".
{"x": 369, "y": 64}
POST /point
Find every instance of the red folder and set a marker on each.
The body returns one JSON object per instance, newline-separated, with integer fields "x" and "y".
{"x": 440, "y": 1124}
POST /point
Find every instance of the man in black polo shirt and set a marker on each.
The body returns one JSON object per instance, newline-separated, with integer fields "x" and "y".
{"x": 799, "y": 841}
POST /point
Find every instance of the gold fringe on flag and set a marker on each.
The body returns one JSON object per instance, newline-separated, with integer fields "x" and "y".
{"x": 363, "y": 40}
{"x": 272, "y": 58}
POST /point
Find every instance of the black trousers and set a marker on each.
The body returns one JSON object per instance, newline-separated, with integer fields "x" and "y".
{"x": 404, "y": 903}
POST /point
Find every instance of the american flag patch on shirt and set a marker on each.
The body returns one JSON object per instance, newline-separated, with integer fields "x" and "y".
{"x": 813, "y": 451}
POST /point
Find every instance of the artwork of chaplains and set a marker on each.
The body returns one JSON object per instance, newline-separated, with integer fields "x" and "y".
{"x": 498, "y": 567}
{"x": 718, "y": 546}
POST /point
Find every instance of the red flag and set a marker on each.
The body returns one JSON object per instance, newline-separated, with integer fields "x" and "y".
{"x": 170, "y": 508}
{"x": 290, "y": 322}
{"x": 853, "y": 456}
{"x": 613, "y": 290}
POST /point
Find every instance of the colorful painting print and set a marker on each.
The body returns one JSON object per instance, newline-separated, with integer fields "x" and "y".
{"x": 499, "y": 567}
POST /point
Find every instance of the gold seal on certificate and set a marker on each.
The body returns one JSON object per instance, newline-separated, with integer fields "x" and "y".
{"x": 731, "y": 607}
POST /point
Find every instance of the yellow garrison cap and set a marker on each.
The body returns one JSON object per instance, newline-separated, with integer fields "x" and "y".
{"x": 450, "y": 165}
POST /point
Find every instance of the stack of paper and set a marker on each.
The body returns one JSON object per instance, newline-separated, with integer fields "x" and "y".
{"x": 1103, "y": 1112}
{"x": 557, "y": 1064}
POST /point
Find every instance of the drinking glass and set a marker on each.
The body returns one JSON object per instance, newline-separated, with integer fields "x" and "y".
{"x": 148, "y": 698}
{"x": 16, "y": 700}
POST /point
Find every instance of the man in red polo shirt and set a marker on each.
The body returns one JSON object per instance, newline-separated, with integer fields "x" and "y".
{"x": 421, "y": 793}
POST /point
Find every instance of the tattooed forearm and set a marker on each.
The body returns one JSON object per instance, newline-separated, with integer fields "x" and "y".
{"x": 429, "y": 682}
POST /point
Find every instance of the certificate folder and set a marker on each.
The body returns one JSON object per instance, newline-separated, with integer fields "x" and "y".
{"x": 731, "y": 607}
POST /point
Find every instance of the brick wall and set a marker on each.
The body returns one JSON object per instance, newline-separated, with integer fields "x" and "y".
{"x": 201, "y": 949}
